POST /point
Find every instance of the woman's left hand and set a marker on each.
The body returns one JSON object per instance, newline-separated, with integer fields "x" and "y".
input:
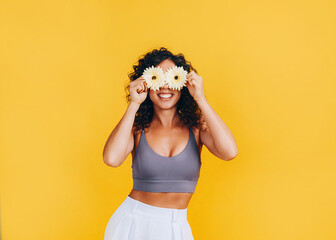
{"x": 195, "y": 86}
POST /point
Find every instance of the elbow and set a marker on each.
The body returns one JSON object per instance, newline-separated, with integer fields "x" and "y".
{"x": 231, "y": 156}
{"x": 111, "y": 162}
{"x": 233, "y": 153}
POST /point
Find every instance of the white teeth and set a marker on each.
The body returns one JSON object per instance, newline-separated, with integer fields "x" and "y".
{"x": 165, "y": 95}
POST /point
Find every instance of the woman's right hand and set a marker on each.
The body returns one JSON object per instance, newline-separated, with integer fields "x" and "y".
{"x": 138, "y": 90}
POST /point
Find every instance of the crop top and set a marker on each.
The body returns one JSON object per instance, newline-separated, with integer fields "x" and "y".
{"x": 153, "y": 172}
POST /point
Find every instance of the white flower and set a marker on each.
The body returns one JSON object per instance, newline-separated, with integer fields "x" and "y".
{"x": 154, "y": 77}
{"x": 176, "y": 77}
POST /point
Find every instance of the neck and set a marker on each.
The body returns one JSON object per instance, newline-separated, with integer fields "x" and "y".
{"x": 166, "y": 118}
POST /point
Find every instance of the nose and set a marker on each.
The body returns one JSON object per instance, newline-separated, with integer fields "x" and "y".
{"x": 165, "y": 86}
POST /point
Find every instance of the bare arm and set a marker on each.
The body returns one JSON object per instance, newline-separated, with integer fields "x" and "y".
{"x": 217, "y": 137}
{"x": 120, "y": 143}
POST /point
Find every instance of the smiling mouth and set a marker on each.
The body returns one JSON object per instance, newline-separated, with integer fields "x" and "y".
{"x": 165, "y": 96}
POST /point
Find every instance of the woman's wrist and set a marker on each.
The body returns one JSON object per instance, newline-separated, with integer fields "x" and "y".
{"x": 134, "y": 105}
{"x": 201, "y": 102}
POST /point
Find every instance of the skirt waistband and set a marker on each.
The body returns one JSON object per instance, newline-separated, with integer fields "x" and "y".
{"x": 159, "y": 213}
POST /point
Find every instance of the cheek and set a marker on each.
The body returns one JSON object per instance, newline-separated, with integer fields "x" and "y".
{"x": 178, "y": 95}
{"x": 151, "y": 94}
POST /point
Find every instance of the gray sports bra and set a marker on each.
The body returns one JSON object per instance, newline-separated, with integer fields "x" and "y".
{"x": 153, "y": 172}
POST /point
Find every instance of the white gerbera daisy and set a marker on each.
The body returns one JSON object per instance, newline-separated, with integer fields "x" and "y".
{"x": 176, "y": 77}
{"x": 154, "y": 77}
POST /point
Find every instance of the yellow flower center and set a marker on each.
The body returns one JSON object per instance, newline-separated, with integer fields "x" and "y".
{"x": 176, "y": 77}
{"x": 154, "y": 77}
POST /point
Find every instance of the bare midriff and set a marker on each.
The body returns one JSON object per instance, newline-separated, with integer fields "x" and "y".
{"x": 177, "y": 200}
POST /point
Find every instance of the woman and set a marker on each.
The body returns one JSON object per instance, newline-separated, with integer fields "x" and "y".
{"x": 165, "y": 131}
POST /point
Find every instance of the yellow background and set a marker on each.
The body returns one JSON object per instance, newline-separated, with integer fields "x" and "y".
{"x": 269, "y": 72}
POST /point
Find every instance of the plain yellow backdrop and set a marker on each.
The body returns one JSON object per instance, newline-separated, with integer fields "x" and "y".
{"x": 268, "y": 69}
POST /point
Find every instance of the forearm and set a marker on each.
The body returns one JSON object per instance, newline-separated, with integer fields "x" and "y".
{"x": 117, "y": 143}
{"x": 220, "y": 133}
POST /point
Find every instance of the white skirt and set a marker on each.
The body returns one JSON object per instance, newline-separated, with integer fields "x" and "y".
{"x": 135, "y": 220}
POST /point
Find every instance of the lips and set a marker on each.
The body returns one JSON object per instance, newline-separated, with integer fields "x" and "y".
{"x": 165, "y": 96}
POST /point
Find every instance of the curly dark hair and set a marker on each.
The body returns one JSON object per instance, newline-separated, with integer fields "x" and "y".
{"x": 187, "y": 108}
